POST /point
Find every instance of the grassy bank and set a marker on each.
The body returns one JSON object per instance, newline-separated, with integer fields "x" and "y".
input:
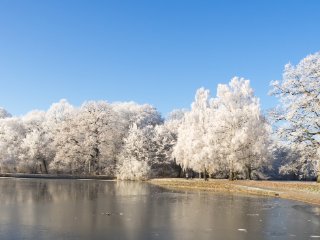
{"x": 308, "y": 192}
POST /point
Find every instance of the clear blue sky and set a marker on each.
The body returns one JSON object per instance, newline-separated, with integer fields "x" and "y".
{"x": 156, "y": 52}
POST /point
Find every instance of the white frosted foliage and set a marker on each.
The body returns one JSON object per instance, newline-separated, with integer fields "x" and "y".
{"x": 226, "y": 135}
{"x": 298, "y": 116}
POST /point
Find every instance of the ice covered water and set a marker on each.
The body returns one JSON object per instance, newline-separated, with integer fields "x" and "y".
{"x": 73, "y": 209}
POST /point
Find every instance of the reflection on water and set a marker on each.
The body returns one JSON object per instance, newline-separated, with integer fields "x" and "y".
{"x": 80, "y": 209}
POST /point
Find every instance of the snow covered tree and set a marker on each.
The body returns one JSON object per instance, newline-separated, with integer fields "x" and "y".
{"x": 23, "y": 144}
{"x": 192, "y": 149}
{"x": 219, "y": 137}
{"x": 244, "y": 132}
{"x": 131, "y": 113}
{"x": 298, "y": 116}
{"x": 36, "y": 149}
{"x": 163, "y": 164}
{"x": 59, "y": 112}
{"x": 4, "y": 113}
{"x": 147, "y": 153}
{"x": 286, "y": 162}
{"x": 69, "y": 157}
{"x": 135, "y": 158}
{"x": 175, "y": 119}
{"x": 86, "y": 141}
{"x": 12, "y": 133}
{"x": 226, "y": 135}
{"x": 141, "y": 115}
{"x": 100, "y": 125}
{"x": 166, "y": 138}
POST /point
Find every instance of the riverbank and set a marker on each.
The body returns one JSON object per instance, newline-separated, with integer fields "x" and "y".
{"x": 55, "y": 176}
{"x": 308, "y": 192}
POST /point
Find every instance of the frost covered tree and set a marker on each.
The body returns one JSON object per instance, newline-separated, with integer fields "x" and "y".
{"x": 193, "y": 150}
{"x": 226, "y": 135}
{"x": 286, "y": 162}
{"x": 147, "y": 152}
{"x": 168, "y": 132}
{"x": 222, "y": 136}
{"x": 86, "y": 140}
{"x": 140, "y": 123}
{"x": 67, "y": 143}
{"x": 132, "y": 113}
{"x": 56, "y": 115}
{"x": 175, "y": 119}
{"x": 59, "y": 112}
{"x": 36, "y": 149}
{"x": 4, "y": 113}
{"x": 12, "y": 133}
{"x": 298, "y": 116}
{"x": 23, "y": 144}
{"x": 163, "y": 164}
{"x": 243, "y": 132}
{"x": 100, "y": 126}
{"x": 135, "y": 158}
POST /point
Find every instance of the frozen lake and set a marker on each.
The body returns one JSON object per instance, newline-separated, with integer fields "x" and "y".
{"x": 93, "y": 209}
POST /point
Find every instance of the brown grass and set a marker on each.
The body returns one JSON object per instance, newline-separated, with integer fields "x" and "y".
{"x": 302, "y": 191}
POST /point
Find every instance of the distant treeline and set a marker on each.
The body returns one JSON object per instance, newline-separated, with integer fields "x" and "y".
{"x": 226, "y": 136}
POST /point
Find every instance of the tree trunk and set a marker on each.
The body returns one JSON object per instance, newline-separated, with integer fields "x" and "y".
{"x": 180, "y": 171}
{"x": 249, "y": 171}
{"x": 205, "y": 174}
{"x": 98, "y": 167}
{"x": 318, "y": 172}
{"x": 231, "y": 170}
{"x": 45, "y": 166}
{"x": 231, "y": 175}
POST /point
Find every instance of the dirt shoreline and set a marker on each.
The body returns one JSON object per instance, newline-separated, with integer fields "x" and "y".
{"x": 308, "y": 192}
